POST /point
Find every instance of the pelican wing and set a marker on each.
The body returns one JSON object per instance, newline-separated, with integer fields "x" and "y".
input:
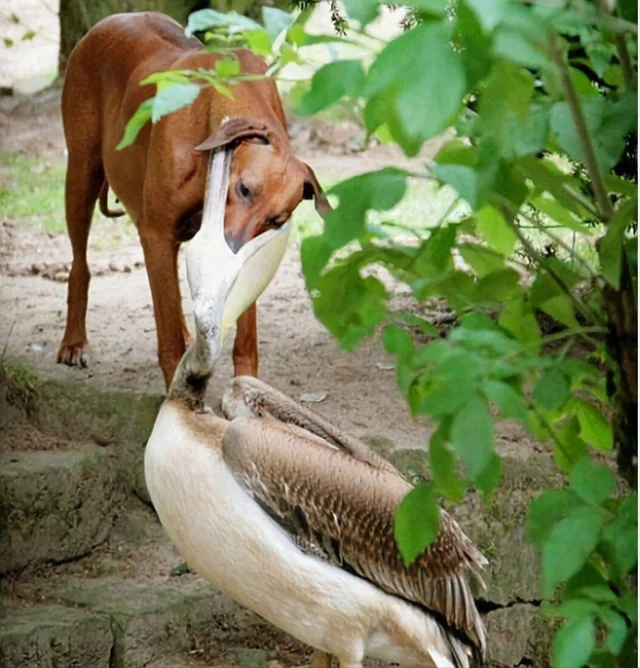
{"x": 342, "y": 509}
{"x": 250, "y": 396}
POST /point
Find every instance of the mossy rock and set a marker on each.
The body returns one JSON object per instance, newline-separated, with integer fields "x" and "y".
{"x": 55, "y": 506}
{"x": 44, "y": 636}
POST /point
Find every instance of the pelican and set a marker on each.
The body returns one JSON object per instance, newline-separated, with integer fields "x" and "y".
{"x": 283, "y": 512}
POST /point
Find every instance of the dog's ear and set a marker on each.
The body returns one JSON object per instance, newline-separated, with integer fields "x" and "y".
{"x": 313, "y": 190}
{"x": 235, "y": 130}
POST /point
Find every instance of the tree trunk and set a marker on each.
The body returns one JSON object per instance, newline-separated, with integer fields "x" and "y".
{"x": 622, "y": 343}
{"x": 78, "y": 16}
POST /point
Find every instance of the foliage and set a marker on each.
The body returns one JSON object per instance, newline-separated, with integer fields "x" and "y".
{"x": 541, "y": 97}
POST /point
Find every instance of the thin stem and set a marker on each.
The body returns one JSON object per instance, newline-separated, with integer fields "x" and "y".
{"x": 558, "y": 336}
{"x": 536, "y": 256}
{"x": 580, "y": 199}
{"x": 626, "y": 67}
{"x": 605, "y": 207}
{"x": 552, "y": 432}
{"x": 560, "y": 242}
{"x": 621, "y": 46}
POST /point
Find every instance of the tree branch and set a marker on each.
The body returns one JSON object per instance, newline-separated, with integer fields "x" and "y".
{"x": 605, "y": 208}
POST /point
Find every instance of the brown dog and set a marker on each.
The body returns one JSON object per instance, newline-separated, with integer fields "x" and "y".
{"x": 160, "y": 179}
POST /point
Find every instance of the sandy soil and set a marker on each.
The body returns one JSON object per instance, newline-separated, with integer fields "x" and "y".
{"x": 297, "y": 354}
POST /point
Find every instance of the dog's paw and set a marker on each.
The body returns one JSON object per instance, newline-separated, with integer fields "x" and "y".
{"x": 73, "y": 355}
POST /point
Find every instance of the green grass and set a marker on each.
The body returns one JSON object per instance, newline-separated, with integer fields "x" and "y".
{"x": 32, "y": 191}
{"x": 32, "y": 195}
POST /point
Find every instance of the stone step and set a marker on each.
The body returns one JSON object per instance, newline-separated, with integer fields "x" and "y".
{"x": 53, "y": 636}
{"x": 125, "y": 623}
{"x": 55, "y": 506}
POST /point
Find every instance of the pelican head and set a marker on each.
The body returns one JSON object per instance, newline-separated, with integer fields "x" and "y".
{"x": 223, "y": 284}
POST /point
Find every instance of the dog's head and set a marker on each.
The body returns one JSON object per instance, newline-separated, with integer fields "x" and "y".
{"x": 267, "y": 182}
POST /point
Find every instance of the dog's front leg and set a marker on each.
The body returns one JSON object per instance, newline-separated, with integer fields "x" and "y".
{"x": 161, "y": 259}
{"x": 245, "y": 348}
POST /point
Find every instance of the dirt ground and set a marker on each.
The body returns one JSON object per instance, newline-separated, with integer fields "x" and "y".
{"x": 297, "y": 355}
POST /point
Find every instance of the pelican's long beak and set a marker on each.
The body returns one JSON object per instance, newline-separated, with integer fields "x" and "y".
{"x": 223, "y": 284}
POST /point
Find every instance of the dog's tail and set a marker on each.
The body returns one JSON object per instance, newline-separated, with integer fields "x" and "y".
{"x": 104, "y": 203}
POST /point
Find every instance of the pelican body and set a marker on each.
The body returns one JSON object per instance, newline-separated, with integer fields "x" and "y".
{"x": 283, "y": 512}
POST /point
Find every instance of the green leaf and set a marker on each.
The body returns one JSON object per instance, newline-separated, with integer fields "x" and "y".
{"x": 490, "y": 478}
{"x": 600, "y": 593}
{"x": 591, "y": 482}
{"x": 207, "y": 19}
{"x": 573, "y": 644}
{"x": 489, "y": 14}
{"x": 473, "y": 437}
{"x": 349, "y": 306}
{"x": 222, "y": 89}
{"x": 330, "y": 83}
{"x": 498, "y": 287}
{"x": 574, "y": 608}
{"x": 463, "y": 179}
{"x": 457, "y": 152}
{"x": 363, "y": 11}
{"x": 621, "y": 544}
{"x": 442, "y": 461}
{"x": 397, "y": 341}
{"x": 429, "y": 7}
{"x": 275, "y": 21}
{"x": 516, "y": 47}
{"x": 417, "y": 522}
{"x": 136, "y": 123}
{"x": 552, "y": 390}
{"x": 442, "y": 401}
{"x": 517, "y": 317}
{"x": 610, "y": 248}
{"x": 569, "y": 545}
{"x": 560, "y": 308}
{"x": 570, "y": 448}
{"x": 617, "y": 631}
{"x": 547, "y": 510}
{"x": 228, "y": 67}
{"x": 423, "y": 325}
{"x": 587, "y": 576}
{"x": 258, "y": 41}
{"x": 594, "y": 428}
{"x": 418, "y": 71}
{"x": 490, "y": 223}
{"x": 507, "y": 398}
{"x": 629, "y": 605}
{"x": 608, "y": 123}
{"x": 473, "y": 184}
{"x": 529, "y": 134}
{"x": 172, "y": 98}
{"x": 28, "y": 35}
{"x": 482, "y": 260}
{"x": 8, "y": 42}
{"x": 628, "y": 10}
{"x": 558, "y": 212}
{"x": 163, "y": 79}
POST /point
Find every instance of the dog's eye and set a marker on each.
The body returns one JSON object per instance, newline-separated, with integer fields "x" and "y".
{"x": 243, "y": 191}
{"x": 276, "y": 222}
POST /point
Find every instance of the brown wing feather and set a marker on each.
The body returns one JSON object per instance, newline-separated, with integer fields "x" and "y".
{"x": 346, "y": 507}
{"x": 251, "y": 396}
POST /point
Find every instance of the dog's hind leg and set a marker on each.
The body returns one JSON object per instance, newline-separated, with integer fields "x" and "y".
{"x": 85, "y": 177}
